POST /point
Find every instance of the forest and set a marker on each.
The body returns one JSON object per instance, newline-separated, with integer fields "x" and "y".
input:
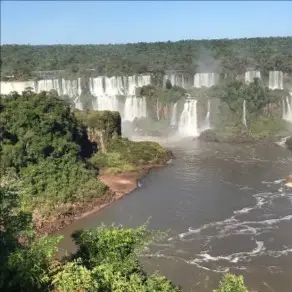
{"x": 225, "y": 56}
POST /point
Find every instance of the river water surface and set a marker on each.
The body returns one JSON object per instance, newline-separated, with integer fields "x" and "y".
{"x": 227, "y": 209}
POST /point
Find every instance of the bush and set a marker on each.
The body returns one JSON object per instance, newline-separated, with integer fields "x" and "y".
{"x": 125, "y": 155}
{"x": 232, "y": 283}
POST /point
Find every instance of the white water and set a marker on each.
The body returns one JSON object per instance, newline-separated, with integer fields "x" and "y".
{"x": 287, "y": 108}
{"x": 244, "y": 113}
{"x": 177, "y": 79}
{"x": 72, "y": 88}
{"x": 250, "y": 75}
{"x": 207, "y": 120}
{"x": 18, "y": 86}
{"x": 173, "y": 120}
{"x": 276, "y": 80}
{"x": 205, "y": 79}
{"x": 188, "y": 124}
{"x": 108, "y": 92}
{"x": 135, "y": 107}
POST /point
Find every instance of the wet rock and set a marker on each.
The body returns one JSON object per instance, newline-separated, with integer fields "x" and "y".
{"x": 208, "y": 136}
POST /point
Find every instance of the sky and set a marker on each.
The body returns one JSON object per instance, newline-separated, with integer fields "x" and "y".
{"x": 97, "y": 22}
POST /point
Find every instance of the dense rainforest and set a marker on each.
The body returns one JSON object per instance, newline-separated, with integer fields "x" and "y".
{"x": 226, "y": 56}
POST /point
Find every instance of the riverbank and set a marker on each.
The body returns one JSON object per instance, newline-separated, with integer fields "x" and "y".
{"x": 119, "y": 185}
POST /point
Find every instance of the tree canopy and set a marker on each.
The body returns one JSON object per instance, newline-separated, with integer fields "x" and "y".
{"x": 226, "y": 56}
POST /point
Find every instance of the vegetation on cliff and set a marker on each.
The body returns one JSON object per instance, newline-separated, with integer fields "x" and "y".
{"x": 57, "y": 153}
{"x": 226, "y": 56}
{"x": 124, "y": 155}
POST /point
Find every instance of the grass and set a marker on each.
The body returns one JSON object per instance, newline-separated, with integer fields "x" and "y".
{"x": 124, "y": 155}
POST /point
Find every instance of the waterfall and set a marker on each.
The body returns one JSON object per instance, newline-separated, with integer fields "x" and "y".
{"x": 188, "y": 124}
{"x": 207, "y": 119}
{"x": 177, "y": 79}
{"x": 205, "y": 79}
{"x": 287, "y": 114}
{"x": 244, "y": 113}
{"x": 137, "y": 81}
{"x": 48, "y": 85}
{"x": 108, "y": 92}
{"x": 135, "y": 107}
{"x": 276, "y": 80}
{"x": 18, "y": 86}
{"x": 250, "y": 75}
{"x": 72, "y": 88}
{"x": 173, "y": 115}
{"x": 78, "y": 103}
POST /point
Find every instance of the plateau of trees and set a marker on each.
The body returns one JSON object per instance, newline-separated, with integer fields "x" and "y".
{"x": 229, "y": 57}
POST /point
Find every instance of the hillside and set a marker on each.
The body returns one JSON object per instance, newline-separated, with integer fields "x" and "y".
{"x": 227, "y": 56}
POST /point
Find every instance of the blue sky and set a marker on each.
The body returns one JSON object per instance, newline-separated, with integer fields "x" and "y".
{"x": 83, "y": 22}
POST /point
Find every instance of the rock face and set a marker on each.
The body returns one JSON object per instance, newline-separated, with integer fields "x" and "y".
{"x": 209, "y": 136}
{"x": 102, "y": 126}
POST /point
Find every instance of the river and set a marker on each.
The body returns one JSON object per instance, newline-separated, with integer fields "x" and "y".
{"x": 226, "y": 209}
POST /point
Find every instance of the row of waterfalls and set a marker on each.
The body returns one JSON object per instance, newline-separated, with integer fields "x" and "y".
{"x": 120, "y": 94}
{"x": 126, "y": 85}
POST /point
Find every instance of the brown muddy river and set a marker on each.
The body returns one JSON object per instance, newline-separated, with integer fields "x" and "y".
{"x": 227, "y": 209}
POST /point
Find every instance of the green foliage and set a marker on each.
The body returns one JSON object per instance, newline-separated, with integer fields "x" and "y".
{"x": 24, "y": 267}
{"x": 110, "y": 253}
{"x": 256, "y": 96}
{"x": 232, "y": 283}
{"x": 125, "y": 155}
{"x": 46, "y": 146}
{"x": 30, "y": 265}
{"x": 107, "y": 121}
{"x": 102, "y": 126}
{"x": 170, "y": 94}
{"x": 24, "y": 61}
{"x": 75, "y": 277}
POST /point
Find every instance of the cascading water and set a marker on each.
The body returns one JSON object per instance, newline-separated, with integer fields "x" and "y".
{"x": 205, "y": 79}
{"x": 276, "y": 80}
{"x": 244, "y": 114}
{"x": 177, "y": 79}
{"x": 108, "y": 90}
{"x": 135, "y": 107}
{"x": 18, "y": 86}
{"x": 207, "y": 119}
{"x": 72, "y": 88}
{"x": 188, "y": 124}
{"x": 48, "y": 85}
{"x": 250, "y": 75}
{"x": 173, "y": 120}
{"x": 287, "y": 110}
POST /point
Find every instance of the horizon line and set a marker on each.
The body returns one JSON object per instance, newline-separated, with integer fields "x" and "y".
{"x": 145, "y": 42}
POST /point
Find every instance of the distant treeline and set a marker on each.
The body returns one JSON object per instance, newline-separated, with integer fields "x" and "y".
{"x": 225, "y": 56}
